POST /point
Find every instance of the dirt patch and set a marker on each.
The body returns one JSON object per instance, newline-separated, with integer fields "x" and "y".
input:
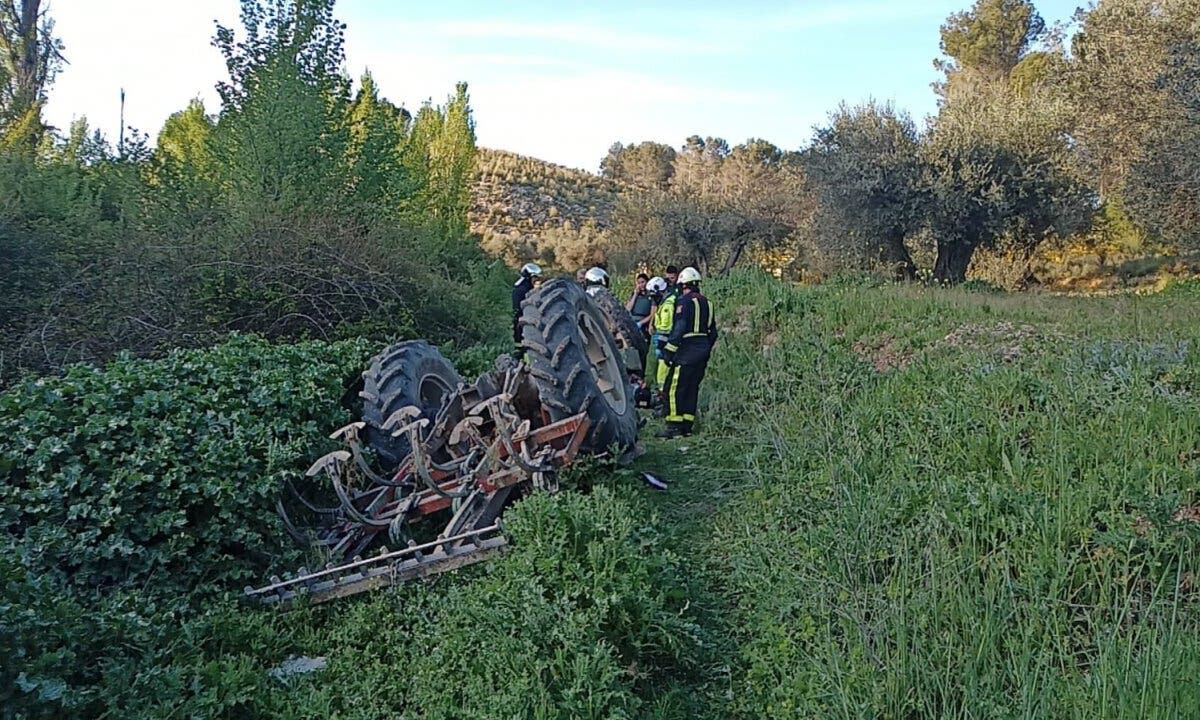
{"x": 770, "y": 341}
{"x": 1188, "y": 515}
{"x": 1009, "y": 341}
{"x": 884, "y": 354}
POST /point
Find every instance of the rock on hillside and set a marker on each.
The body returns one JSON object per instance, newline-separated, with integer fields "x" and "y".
{"x": 527, "y": 209}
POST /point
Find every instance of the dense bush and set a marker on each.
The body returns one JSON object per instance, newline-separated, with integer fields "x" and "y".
{"x": 164, "y": 472}
{"x": 298, "y": 210}
{"x": 130, "y": 493}
{"x": 574, "y": 622}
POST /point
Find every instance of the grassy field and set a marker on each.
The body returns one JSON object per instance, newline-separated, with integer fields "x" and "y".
{"x": 902, "y": 503}
{"x": 915, "y": 503}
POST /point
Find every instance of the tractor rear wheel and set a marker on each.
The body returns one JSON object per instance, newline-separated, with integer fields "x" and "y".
{"x": 576, "y": 365}
{"x": 409, "y": 373}
{"x": 623, "y": 327}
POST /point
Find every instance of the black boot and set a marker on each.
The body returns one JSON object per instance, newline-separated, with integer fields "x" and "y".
{"x": 673, "y": 430}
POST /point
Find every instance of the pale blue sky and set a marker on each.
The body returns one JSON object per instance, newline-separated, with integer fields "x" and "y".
{"x": 557, "y": 80}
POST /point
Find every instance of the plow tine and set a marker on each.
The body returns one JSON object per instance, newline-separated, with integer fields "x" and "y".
{"x": 463, "y": 428}
{"x": 320, "y": 511}
{"x": 333, "y": 459}
{"x": 347, "y": 432}
{"x": 348, "y": 505}
{"x": 402, "y": 415}
{"x": 412, "y": 429}
{"x": 290, "y": 527}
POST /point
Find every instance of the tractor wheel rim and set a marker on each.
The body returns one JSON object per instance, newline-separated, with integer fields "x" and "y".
{"x": 431, "y": 390}
{"x": 606, "y": 367}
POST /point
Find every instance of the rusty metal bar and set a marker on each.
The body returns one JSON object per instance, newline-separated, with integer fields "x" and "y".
{"x": 386, "y": 569}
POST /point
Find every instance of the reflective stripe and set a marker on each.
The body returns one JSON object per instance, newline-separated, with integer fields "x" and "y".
{"x": 695, "y": 317}
{"x": 673, "y": 403}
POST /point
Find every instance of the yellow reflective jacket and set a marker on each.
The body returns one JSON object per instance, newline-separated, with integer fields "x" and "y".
{"x": 664, "y": 318}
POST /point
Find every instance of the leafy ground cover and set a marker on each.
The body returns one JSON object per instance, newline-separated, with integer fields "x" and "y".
{"x": 905, "y": 502}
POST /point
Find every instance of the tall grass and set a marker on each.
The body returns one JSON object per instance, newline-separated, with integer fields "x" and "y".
{"x": 994, "y": 525}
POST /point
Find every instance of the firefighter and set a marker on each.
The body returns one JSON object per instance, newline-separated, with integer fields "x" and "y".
{"x": 531, "y": 276}
{"x": 687, "y": 351}
{"x": 595, "y": 278}
{"x": 664, "y": 319}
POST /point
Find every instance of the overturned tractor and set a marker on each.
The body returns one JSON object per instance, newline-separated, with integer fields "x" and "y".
{"x": 428, "y": 446}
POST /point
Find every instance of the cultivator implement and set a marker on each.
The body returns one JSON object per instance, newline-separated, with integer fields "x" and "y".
{"x": 487, "y": 442}
{"x": 458, "y": 451}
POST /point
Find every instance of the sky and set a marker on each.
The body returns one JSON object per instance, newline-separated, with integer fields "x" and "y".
{"x": 560, "y": 81}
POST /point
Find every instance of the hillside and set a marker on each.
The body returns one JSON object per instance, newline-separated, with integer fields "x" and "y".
{"x": 904, "y": 502}
{"x": 527, "y": 209}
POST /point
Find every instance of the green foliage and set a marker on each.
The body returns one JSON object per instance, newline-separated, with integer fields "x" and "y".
{"x": 647, "y": 165}
{"x": 988, "y": 42}
{"x": 133, "y": 491}
{"x": 571, "y": 623}
{"x": 964, "y": 505}
{"x": 296, "y": 211}
{"x": 164, "y": 469}
{"x": 866, "y": 170}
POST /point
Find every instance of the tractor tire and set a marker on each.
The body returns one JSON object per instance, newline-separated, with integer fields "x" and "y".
{"x": 409, "y": 373}
{"x": 623, "y": 327}
{"x": 576, "y": 365}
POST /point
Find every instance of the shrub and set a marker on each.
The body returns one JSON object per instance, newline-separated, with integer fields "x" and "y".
{"x": 167, "y": 470}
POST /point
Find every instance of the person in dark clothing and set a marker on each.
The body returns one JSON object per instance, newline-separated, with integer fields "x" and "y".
{"x": 688, "y": 349}
{"x": 641, "y": 304}
{"x": 531, "y": 275}
{"x": 672, "y": 277}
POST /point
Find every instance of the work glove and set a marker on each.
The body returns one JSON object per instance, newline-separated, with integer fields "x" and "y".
{"x": 668, "y": 356}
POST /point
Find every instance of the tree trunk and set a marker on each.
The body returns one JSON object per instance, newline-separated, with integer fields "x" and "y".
{"x": 953, "y": 259}
{"x": 739, "y": 246}
{"x": 24, "y": 50}
{"x": 896, "y": 257}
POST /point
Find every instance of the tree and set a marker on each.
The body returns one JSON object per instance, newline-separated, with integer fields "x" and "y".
{"x": 987, "y": 43}
{"x": 866, "y": 171}
{"x": 1163, "y": 185}
{"x": 30, "y": 56}
{"x": 720, "y": 203}
{"x": 452, "y": 166}
{"x": 1112, "y": 80}
{"x": 1000, "y": 167}
{"x": 185, "y": 140}
{"x": 281, "y": 133}
{"x": 377, "y": 131}
{"x": 647, "y": 165}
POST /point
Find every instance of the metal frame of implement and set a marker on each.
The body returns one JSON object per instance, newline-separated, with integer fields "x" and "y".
{"x": 470, "y": 458}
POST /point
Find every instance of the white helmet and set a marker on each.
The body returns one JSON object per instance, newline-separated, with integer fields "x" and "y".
{"x": 657, "y": 285}
{"x": 689, "y": 275}
{"x": 531, "y": 270}
{"x": 596, "y": 276}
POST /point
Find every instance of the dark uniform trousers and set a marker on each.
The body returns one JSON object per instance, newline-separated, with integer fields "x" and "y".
{"x": 690, "y": 345}
{"x": 521, "y": 291}
{"x": 683, "y": 391}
